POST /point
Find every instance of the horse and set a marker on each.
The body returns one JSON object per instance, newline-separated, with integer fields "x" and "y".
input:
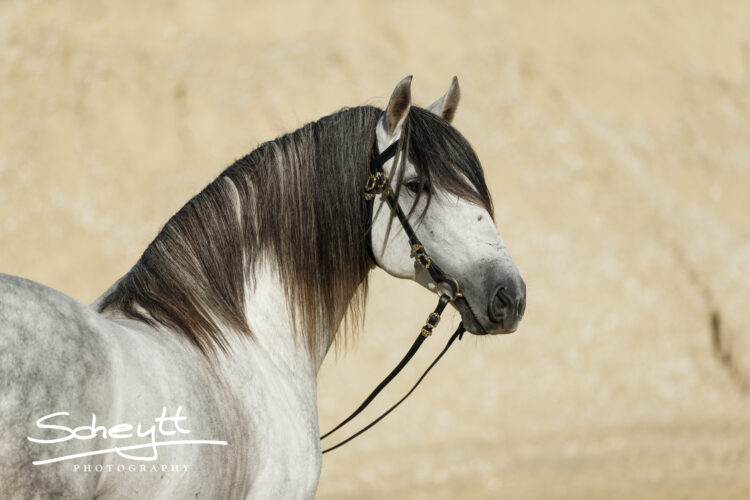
{"x": 194, "y": 374}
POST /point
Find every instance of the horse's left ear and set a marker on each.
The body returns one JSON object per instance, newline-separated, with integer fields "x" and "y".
{"x": 398, "y": 106}
{"x": 445, "y": 107}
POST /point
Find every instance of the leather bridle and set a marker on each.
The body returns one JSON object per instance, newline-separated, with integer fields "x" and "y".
{"x": 378, "y": 184}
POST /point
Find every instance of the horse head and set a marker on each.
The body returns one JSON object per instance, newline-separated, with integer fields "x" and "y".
{"x": 439, "y": 184}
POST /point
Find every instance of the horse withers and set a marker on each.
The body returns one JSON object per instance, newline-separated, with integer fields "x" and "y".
{"x": 194, "y": 375}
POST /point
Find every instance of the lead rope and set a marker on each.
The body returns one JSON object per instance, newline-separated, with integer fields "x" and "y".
{"x": 377, "y": 183}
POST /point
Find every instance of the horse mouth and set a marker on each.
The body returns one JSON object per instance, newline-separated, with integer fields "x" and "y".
{"x": 501, "y": 331}
{"x": 477, "y": 325}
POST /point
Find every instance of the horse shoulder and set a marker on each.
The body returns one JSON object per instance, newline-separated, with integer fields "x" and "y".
{"x": 52, "y": 359}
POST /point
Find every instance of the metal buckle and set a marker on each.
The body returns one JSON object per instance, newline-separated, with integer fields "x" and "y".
{"x": 376, "y": 183}
{"x": 420, "y": 255}
{"x": 432, "y": 321}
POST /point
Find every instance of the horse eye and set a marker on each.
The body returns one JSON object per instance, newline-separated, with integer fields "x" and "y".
{"x": 413, "y": 186}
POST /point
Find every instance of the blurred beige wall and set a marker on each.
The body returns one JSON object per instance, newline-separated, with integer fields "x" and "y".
{"x": 616, "y": 140}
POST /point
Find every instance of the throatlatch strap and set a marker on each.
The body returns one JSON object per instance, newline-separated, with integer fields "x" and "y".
{"x": 457, "y": 334}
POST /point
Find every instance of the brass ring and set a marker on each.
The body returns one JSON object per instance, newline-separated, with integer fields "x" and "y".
{"x": 448, "y": 277}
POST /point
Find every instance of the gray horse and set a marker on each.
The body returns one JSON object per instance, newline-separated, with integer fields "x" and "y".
{"x": 194, "y": 375}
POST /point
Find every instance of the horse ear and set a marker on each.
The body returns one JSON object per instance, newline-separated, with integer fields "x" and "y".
{"x": 445, "y": 107}
{"x": 398, "y": 106}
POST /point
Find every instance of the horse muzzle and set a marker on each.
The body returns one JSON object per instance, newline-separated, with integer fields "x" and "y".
{"x": 507, "y": 305}
{"x": 497, "y": 306}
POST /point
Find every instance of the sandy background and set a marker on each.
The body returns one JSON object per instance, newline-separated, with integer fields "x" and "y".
{"x": 616, "y": 139}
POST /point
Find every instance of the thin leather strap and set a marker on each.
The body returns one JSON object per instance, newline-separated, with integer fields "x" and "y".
{"x": 436, "y": 273}
{"x": 444, "y": 300}
{"x": 378, "y": 183}
{"x": 457, "y": 334}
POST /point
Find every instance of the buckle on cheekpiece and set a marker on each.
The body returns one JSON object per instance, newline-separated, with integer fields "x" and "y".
{"x": 432, "y": 321}
{"x": 376, "y": 184}
{"x": 420, "y": 255}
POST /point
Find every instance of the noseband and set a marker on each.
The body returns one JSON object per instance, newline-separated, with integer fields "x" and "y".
{"x": 378, "y": 184}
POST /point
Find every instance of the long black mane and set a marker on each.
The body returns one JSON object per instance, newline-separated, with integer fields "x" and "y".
{"x": 295, "y": 202}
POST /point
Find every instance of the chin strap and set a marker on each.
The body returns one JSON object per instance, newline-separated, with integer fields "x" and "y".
{"x": 432, "y": 320}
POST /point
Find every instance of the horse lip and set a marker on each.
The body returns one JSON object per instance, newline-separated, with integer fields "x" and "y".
{"x": 500, "y": 330}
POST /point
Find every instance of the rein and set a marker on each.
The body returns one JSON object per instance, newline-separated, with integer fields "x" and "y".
{"x": 378, "y": 184}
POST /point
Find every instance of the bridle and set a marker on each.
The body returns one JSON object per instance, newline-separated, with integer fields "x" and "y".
{"x": 378, "y": 184}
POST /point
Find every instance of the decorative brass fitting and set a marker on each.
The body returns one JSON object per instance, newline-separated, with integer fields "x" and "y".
{"x": 432, "y": 321}
{"x": 420, "y": 254}
{"x": 376, "y": 183}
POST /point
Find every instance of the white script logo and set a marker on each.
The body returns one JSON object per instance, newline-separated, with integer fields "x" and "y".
{"x": 166, "y": 426}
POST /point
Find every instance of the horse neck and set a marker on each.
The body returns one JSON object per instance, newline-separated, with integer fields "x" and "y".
{"x": 276, "y": 334}
{"x": 252, "y": 270}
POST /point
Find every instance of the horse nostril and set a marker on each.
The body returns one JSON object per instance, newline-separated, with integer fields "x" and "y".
{"x": 521, "y": 307}
{"x": 507, "y": 307}
{"x": 499, "y": 305}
